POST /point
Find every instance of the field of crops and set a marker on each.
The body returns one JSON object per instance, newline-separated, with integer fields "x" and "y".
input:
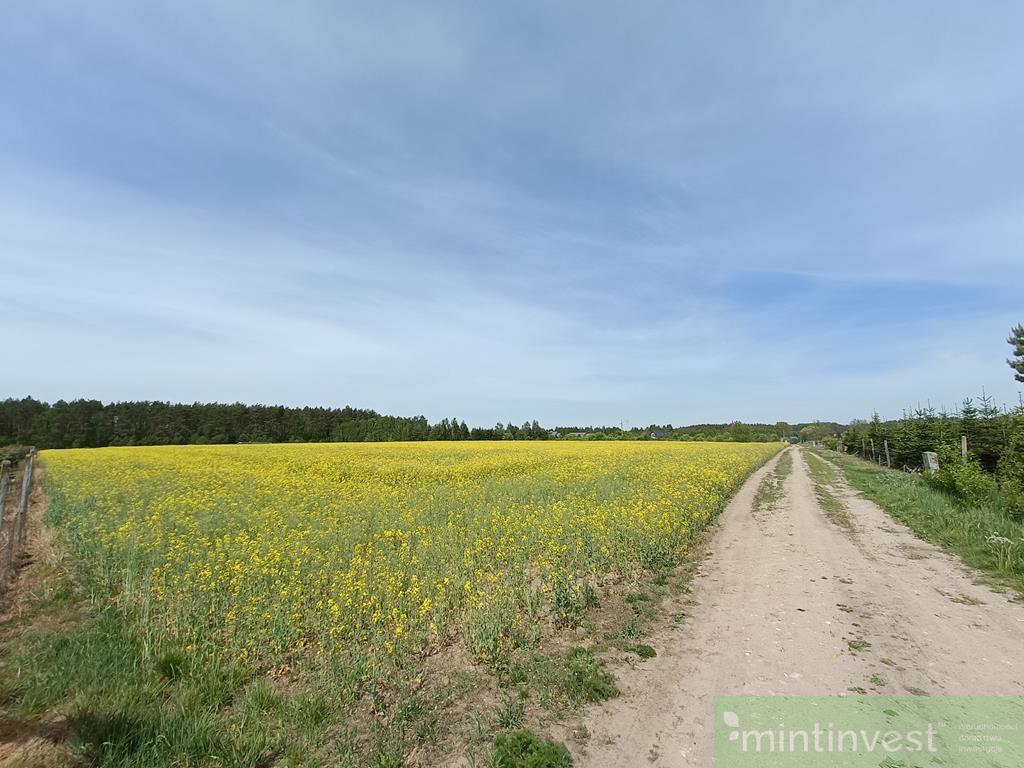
{"x": 331, "y": 604}
{"x": 372, "y": 550}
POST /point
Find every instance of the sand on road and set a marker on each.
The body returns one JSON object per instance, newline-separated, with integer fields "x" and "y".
{"x": 789, "y": 602}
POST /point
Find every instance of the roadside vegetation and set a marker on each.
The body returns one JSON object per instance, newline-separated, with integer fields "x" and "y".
{"x": 375, "y": 605}
{"x": 962, "y": 509}
{"x": 770, "y": 491}
{"x": 974, "y": 503}
{"x": 826, "y": 484}
{"x": 994, "y": 471}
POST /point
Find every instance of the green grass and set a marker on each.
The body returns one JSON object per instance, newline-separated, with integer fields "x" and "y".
{"x": 132, "y": 705}
{"x": 645, "y": 651}
{"x": 120, "y": 709}
{"x": 129, "y": 705}
{"x": 564, "y": 682}
{"x": 984, "y": 536}
{"x": 825, "y": 481}
{"x": 524, "y": 749}
{"x": 770, "y": 491}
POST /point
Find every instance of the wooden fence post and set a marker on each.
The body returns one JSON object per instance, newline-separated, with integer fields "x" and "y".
{"x": 26, "y": 488}
{"x": 963, "y": 447}
{"x": 872, "y": 441}
{"x": 4, "y": 480}
{"x": 888, "y": 459}
{"x": 17, "y": 528}
{"x": 7, "y": 543}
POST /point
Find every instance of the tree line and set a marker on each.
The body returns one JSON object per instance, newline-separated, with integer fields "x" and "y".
{"x": 989, "y": 431}
{"x": 92, "y": 424}
{"x": 995, "y": 436}
{"x": 87, "y": 423}
{"x": 994, "y": 465}
{"x": 735, "y": 432}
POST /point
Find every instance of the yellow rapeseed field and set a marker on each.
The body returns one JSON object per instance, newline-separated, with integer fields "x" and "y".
{"x": 386, "y": 548}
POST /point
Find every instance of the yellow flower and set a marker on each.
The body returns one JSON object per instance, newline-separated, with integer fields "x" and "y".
{"x": 273, "y": 548}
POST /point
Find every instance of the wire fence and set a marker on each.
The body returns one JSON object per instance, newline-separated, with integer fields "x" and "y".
{"x": 15, "y": 493}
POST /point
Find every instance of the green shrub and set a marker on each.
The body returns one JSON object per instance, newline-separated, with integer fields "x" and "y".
{"x": 525, "y": 749}
{"x": 13, "y": 453}
{"x": 965, "y": 479}
{"x": 1011, "y": 470}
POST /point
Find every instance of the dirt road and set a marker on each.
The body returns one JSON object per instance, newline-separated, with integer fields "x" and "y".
{"x": 791, "y": 603}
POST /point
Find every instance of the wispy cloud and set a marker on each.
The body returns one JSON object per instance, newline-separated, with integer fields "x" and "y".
{"x": 570, "y": 213}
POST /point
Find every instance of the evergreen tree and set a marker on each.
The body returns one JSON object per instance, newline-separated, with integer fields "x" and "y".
{"x": 1016, "y": 362}
{"x": 968, "y": 418}
{"x": 1011, "y": 467}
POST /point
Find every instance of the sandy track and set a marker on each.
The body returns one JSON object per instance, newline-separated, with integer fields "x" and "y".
{"x": 776, "y": 605}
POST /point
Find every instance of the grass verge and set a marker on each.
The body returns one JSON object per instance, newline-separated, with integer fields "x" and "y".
{"x": 825, "y": 482}
{"x": 770, "y": 491}
{"x": 985, "y": 537}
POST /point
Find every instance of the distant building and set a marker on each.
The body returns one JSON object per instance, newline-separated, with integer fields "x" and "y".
{"x": 578, "y": 435}
{"x": 658, "y": 433}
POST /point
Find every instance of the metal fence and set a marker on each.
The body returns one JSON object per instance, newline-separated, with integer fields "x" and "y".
{"x": 13, "y": 513}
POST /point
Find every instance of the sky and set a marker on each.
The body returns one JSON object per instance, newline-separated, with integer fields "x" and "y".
{"x": 583, "y": 213}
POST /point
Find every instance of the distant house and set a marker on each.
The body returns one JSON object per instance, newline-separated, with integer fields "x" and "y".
{"x": 658, "y": 433}
{"x": 578, "y": 435}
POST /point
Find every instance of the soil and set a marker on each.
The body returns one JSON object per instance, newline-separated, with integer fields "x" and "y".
{"x": 790, "y": 603}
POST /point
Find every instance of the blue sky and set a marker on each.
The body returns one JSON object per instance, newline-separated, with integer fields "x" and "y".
{"x": 577, "y": 212}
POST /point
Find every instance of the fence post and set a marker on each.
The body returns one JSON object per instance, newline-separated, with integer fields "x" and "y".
{"x": 18, "y": 524}
{"x": 888, "y": 460}
{"x": 5, "y": 478}
{"x": 963, "y": 447}
{"x": 26, "y": 489}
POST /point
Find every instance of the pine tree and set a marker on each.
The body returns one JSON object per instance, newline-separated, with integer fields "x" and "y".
{"x": 876, "y": 434}
{"x": 1016, "y": 341}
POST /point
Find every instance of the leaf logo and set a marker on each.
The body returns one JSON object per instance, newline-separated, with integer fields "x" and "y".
{"x": 733, "y": 721}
